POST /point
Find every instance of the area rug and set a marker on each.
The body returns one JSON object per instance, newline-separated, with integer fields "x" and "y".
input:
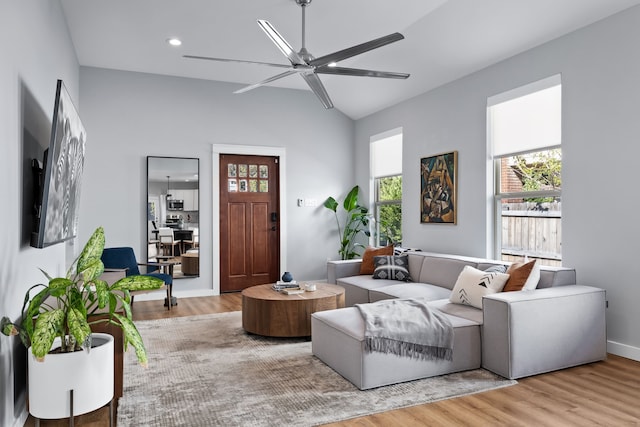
{"x": 206, "y": 371}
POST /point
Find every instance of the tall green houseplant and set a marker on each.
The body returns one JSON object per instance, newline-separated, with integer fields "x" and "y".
{"x": 356, "y": 222}
{"x": 68, "y": 306}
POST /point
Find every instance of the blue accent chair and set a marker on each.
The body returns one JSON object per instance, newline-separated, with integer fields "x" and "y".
{"x": 125, "y": 259}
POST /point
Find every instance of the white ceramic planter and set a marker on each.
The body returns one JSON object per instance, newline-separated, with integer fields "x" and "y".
{"x": 89, "y": 375}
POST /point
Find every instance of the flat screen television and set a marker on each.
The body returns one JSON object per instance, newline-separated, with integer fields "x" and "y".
{"x": 59, "y": 178}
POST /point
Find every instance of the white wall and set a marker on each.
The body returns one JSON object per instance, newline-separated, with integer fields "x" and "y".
{"x": 129, "y": 116}
{"x": 36, "y": 51}
{"x": 600, "y": 67}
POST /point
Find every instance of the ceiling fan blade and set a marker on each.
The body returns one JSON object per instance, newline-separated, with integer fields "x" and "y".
{"x": 356, "y": 50}
{"x": 282, "y": 44}
{"x": 208, "y": 58}
{"x": 361, "y": 73}
{"x": 318, "y": 88}
{"x": 264, "y": 82}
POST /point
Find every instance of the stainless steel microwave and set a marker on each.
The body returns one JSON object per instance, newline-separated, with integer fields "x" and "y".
{"x": 175, "y": 205}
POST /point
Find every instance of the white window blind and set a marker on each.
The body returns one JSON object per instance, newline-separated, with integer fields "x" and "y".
{"x": 386, "y": 156}
{"x": 526, "y": 119}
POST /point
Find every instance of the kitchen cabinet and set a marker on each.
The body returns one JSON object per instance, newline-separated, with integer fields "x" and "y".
{"x": 177, "y": 194}
{"x": 190, "y": 198}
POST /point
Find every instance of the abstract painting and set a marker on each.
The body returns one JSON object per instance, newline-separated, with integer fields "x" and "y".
{"x": 438, "y": 185}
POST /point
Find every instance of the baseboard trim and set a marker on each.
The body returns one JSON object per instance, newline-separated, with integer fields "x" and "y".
{"x": 623, "y": 350}
{"x": 155, "y": 296}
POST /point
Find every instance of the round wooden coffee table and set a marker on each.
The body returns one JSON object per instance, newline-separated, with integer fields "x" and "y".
{"x": 273, "y": 314}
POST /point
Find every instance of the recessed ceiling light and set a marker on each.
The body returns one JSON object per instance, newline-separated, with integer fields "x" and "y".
{"x": 332, "y": 64}
{"x": 174, "y": 41}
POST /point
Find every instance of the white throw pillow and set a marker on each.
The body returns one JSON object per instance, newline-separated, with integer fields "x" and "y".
{"x": 533, "y": 279}
{"x": 473, "y": 284}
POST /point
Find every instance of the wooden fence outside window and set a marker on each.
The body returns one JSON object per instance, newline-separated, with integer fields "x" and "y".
{"x": 533, "y": 230}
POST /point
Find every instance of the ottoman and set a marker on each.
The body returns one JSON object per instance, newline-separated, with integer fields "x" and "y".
{"x": 191, "y": 263}
{"x": 337, "y": 338}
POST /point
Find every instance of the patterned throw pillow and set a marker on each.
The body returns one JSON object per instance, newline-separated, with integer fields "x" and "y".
{"x": 392, "y": 267}
{"x": 473, "y": 284}
{"x": 496, "y": 269}
{"x": 367, "y": 266}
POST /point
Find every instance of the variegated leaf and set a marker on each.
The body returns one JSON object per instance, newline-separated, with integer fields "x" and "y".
{"x": 138, "y": 283}
{"x": 133, "y": 336}
{"x": 48, "y": 325}
{"x": 7, "y": 327}
{"x": 75, "y": 301}
{"x": 58, "y": 286}
{"x": 102, "y": 290}
{"x": 127, "y": 308}
{"x": 78, "y": 326}
{"x": 92, "y": 250}
{"x": 93, "y": 268}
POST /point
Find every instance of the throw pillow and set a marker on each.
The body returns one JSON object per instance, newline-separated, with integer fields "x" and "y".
{"x": 496, "y": 269}
{"x": 522, "y": 276}
{"x": 473, "y": 284}
{"x": 367, "y": 266}
{"x": 392, "y": 267}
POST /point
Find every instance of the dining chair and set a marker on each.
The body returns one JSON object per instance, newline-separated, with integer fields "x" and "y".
{"x": 168, "y": 240}
{"x": 194, "y": 241}
{"x": 153, "y": 233}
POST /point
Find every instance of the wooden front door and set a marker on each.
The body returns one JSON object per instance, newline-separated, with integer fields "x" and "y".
{"x": 249, "y": 221}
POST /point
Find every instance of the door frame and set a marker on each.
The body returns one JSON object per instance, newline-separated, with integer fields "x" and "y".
{"x": 251, "y": 150}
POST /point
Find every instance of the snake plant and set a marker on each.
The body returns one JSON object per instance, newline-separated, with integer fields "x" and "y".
{"x": 68, "y": 306}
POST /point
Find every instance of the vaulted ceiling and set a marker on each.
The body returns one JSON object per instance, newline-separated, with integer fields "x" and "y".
{"x": 444, "y": 39}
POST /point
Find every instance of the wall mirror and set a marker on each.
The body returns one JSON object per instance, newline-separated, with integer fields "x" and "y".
{"x": 173, "y": 215}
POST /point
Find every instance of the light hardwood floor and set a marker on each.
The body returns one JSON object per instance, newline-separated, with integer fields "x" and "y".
{"x": 599, "y": 394}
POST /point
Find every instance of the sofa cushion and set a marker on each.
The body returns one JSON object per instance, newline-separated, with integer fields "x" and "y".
{"x": 356, "y": 288}
{"x": 392, "y": 267}
{"x": 367, "y": 265}
{"x": 472, "y": 284}
{"x": 556, "y": 276}
{"x": 442, "y": 271}
{"x": 337, "y": 339}
{"x": 409, "y": 290}
{"x": 464, "y": 311}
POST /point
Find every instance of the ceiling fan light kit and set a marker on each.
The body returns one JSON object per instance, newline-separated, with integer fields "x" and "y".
{"x": 305, "y": 64}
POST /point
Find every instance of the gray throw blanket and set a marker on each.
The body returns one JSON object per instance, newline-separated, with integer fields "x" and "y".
{"x": 407, "y": 327}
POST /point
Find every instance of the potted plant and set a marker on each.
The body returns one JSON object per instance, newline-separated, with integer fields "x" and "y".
{"x": 57, "y": 319}
{"x": 356, "y": 222}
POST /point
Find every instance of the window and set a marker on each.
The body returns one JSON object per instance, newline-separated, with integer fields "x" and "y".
{"x": 525, "y": 139}
{"x": 386, "y": 173}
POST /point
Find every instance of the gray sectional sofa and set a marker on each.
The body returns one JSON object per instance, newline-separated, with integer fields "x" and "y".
{"x": 516, "y": 334}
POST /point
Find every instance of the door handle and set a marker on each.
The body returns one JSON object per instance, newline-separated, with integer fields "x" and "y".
{"x": 273, "y": 228}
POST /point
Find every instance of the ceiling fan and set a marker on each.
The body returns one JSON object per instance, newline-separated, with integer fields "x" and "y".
{"x": 305, "y": 64}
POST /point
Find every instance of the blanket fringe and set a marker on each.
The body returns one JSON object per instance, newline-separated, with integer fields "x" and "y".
{"x": 407, "y": 349}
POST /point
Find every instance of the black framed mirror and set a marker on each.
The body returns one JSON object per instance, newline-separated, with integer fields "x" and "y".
{"x": 173, "y": 214}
